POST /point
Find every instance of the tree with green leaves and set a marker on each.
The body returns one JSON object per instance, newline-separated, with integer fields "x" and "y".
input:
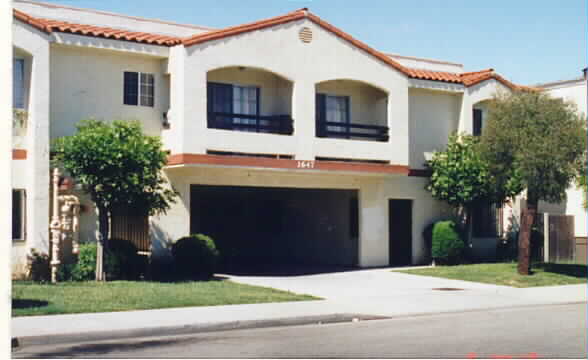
{"x": 582, "y": 181}
{"x": 459, "y": 176}
{"x": 119, "y": 167}
{"x": 535, "y": 142}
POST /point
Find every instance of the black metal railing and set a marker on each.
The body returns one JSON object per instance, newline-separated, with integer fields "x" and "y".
{"x": 272, "y": 124}
{"x": 330, "y": 129}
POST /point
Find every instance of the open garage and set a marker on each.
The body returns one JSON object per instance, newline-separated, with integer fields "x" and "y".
{"x": 259, "y": 227}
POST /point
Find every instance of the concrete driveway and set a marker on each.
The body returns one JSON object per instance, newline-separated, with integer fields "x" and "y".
{"x": 389, "y": 293}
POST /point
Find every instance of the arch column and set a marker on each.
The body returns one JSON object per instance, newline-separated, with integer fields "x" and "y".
{"x": 303, "y": 113}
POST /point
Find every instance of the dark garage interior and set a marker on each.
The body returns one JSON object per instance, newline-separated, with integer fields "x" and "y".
{"x": 261, "y": 228}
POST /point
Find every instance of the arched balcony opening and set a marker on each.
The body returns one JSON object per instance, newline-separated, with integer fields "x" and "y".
{"x": 349, "y": 109}
{"x": 249, "y": 99}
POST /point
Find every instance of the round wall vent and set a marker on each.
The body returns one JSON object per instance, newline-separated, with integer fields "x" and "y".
{"x": 305, "y": 35}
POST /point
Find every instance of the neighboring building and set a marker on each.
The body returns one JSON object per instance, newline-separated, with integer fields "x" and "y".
{"x": 287, "y": 136}
{"x": 575, "y": 91}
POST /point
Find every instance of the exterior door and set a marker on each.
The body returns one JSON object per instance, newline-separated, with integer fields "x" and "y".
{"x": 400, "y": 232}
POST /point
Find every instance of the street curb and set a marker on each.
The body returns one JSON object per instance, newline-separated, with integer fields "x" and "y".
{"x": 24, "y": 341}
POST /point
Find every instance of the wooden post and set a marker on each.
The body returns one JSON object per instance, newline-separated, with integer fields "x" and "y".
{"x": 546, "y": 237}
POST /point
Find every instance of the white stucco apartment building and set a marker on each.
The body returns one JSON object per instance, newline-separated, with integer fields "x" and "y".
{"x": 287, "y": 135}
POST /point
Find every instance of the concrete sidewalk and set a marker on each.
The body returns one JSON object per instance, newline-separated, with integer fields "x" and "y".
{"x": 348, "y": 295}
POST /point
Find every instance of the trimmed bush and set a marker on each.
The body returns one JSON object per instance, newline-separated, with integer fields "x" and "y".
{"x": 448, "y": 246}
{"x": 130, "y": 263}
{"x": 38, "y": 269}
{"x": 195, "y": 257}
{"x": 85, "y": 268}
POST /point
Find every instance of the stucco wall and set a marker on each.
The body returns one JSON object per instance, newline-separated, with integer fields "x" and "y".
{"x": 574, "y": 92}
{"x": 574, "y": 206}
{"x": 88, "y": 83}
{"x": 430, "y": 64}
{"x": 35, "y": 175}
{"x": 327, "y": 57}
{"x": 433, "y": 116}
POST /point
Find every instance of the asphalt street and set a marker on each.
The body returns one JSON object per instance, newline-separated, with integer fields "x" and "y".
{"x": 554, "y": 331}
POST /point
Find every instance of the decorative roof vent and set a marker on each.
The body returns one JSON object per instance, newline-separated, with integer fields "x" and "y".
{"x": 305, "y": 35}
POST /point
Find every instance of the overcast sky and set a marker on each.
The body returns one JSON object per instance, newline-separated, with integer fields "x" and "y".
{"x": 527, "y": 41}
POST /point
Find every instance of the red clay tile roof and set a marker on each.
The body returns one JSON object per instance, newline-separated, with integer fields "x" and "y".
{"x": 467, "y": 79}
{"x": 98, "y": 31}
{"x": 434, "y": 75}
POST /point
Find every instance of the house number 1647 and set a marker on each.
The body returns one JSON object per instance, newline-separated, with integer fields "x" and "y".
{"x": 306, "y": 164}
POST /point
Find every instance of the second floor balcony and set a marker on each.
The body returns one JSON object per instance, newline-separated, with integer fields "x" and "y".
{"x": 347, "y": 109}
{"x": 250, "y": 100}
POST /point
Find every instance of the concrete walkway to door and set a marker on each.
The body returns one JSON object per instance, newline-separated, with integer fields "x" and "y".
{"x": 389, "y": 293}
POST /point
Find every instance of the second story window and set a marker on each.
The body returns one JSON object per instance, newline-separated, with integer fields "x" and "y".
{"x": 139, "y": 89}
{"x": 227, "y": 101}
{"x": 246, "y": 102}
{"x": 18, "y": 84}
{"x": 334, "y": 109}
{"x": 477, "y": 128}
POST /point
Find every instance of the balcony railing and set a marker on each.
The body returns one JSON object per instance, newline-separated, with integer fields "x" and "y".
{"x": 329, "y": 129}
{"x": 272, "y": 124}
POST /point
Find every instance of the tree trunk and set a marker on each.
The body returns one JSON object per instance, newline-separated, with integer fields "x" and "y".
{"x": 103, "y": 222}
{"x": 527, "y": 220}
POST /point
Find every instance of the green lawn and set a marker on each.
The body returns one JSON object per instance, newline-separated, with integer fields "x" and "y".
{"x": 84, "y": 297}
{"x": 506, "y": 274}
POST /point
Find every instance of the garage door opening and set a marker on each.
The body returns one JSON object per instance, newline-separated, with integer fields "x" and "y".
{"x": 263, "y": 229}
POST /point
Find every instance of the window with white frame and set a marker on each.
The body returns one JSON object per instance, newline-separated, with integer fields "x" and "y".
{"x": 18, "y": 84}
{"x": 18, "y": 214}
{"x": 139, "y": 89}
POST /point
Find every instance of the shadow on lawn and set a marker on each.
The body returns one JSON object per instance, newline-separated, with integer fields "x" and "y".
{"x": 575, "y": 270}
{"x": 28, "y": 303}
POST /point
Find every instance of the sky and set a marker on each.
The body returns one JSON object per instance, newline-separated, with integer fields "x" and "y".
{"x": 526, "y": 41}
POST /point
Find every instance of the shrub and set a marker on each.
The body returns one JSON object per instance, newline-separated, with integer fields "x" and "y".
{"x": 161, "y": 269}
{"x": 85, "y": 268}
{"x": 448, "y": 246}
{"x": 195, "y": 257}
{"x": 129, "y": 261}
{"x": 64, "y": 272}
{"x": 38, "y": 268}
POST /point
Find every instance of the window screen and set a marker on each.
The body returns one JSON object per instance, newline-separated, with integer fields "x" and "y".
{"x": 147, "y": 89}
